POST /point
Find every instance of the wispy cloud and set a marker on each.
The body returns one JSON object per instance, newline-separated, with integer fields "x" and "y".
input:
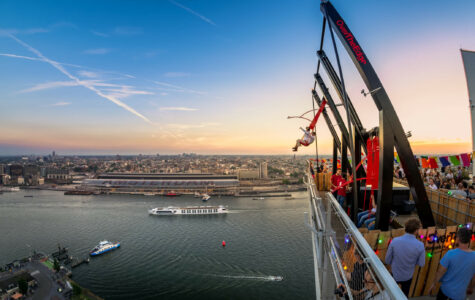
{"x": 109, "y": 89}
{"x": 9, "y": 31}
{"x": 124, "y": 91}
{"x": 175, "y": 88}
{"x": 101, "y": 34}
{"x": 192, "y": 126}
{"x": 61, "y": 104}
{"x": 176, "y": 74}
{"x": 90, "y": 87}
{"x": 192, "y": 12}
{"x": 88, "y": 74}
{"x": 178, "y": 109}
{"x": 35, "y": 30}
{"x": 49, "y": 85}
{"x": 97, "y": 51}
{"x": 126, "y": 30}
{"x": 66, "y": 64}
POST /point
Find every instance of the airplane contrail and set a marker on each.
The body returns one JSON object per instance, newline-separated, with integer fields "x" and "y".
{"x": 85, "y": 84}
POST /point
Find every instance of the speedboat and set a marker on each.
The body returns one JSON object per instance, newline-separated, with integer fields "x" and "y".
{"x": 276, "y": 278}
{"x": 205, "y": 197}
{"x": 103, "y": 247}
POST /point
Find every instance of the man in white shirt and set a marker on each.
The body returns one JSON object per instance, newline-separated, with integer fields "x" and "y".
{"x": 306, "y": 140}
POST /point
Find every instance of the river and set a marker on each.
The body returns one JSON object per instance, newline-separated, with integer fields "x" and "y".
{"x": 168, "y": 257}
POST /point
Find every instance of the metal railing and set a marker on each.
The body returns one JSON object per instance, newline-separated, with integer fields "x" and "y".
{"x": 346, "y": 267}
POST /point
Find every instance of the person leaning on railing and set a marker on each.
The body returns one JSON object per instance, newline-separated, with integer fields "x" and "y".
{"x": 404, "y": 253}
{"x": 371, "y": 290}
{"x": 457, "y": 270}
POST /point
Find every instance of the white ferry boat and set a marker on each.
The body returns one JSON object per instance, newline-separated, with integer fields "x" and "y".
{"x": 10, "y": 189}
{"x": 189, "y": 210}
{"x": 103, "y": 247}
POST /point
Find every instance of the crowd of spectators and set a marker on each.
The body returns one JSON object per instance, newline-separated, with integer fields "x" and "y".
{"x": 453, "y": 179}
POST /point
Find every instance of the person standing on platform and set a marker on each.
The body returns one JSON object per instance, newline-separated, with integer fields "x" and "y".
{"x": 335, "y": 180}
{"x": 457, "y": 270}
{"x": 404, "y": 253}
{"x": 341, "y": 192}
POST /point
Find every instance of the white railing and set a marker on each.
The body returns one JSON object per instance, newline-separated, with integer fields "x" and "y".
{"x": 342, "y": 257}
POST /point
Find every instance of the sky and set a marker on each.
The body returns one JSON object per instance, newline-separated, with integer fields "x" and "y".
{"x": 220, "y": 77}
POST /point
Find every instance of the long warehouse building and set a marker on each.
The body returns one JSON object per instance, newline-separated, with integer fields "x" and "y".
{"x": 137, "y": 181}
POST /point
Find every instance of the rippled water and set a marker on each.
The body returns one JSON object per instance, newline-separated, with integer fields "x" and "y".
{"x": 168, "y": 257}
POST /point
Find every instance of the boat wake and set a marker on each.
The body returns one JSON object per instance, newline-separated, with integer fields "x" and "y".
{"x": 249, "y": 277}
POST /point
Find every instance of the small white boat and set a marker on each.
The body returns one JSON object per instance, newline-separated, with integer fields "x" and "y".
{"x": 10, "y": 189}
{"x": 276, "y": 278}
{"x": 197, "y": 195}
{"x": 205, "y": 197}
{"x": 188, "y": 210}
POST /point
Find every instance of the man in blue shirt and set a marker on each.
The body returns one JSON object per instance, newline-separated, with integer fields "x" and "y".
{"x": 457, "y": 270}
{"x": 404, "y": 253}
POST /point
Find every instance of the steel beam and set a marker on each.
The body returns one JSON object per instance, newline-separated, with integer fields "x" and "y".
{"x": 335, "y": 157}
{"x": 359, "y": 174}
{"x": 385, "y": 180}
{"x": 317, "y": 99}
{"x": 360, "y": 131}
{"x": 345, "y": 164}
{"x": 383, "y": 103}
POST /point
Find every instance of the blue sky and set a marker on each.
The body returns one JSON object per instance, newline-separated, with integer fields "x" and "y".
{"x": 214, "y": 76}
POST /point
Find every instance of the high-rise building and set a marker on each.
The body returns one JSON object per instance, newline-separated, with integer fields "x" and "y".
{"x": 16, "y": 171}
{"x": 263, "y": 170}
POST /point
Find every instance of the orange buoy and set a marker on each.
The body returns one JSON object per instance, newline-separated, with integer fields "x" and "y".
{"x": 223, "y": 243}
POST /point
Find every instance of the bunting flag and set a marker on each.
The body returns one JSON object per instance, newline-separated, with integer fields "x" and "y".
{"x": 396, "y": 158}
{"x": 465, "y": 159}
{"x": 433, "y": 163}
{"x": 444, "y": 160}
{"x": 425, "y": 162}
{"x": 454, "y": 159}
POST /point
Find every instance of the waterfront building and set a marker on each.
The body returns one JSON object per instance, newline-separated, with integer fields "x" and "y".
{"x": 248, "y": 174}
{"x": 138, "y": 182}
{"x": 16, "y": 170}
{"x": 263, "y": 170}
{"x": 9, "y": 283}
{"x": 60, "y": 176}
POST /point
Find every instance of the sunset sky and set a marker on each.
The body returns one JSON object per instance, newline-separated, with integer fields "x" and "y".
{"x": 219, "y": 77}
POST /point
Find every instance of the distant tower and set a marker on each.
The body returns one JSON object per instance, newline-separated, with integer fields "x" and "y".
{"x": 54, "y": 153}
{"x": 263, "y": 170}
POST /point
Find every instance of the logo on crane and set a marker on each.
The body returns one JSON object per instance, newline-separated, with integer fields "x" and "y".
{"x": 351, "y": 40}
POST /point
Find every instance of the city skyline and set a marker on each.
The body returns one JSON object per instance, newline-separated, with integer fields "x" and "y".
{"x": 219, "y": 78}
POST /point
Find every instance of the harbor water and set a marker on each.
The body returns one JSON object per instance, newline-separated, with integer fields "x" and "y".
{"x": 168, "y": 257}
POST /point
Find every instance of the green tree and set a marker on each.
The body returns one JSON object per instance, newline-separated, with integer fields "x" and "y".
{"x": 286, "y": 181}
{"x": 23, "y": 286}
{"x": 76, "y": 289}
{"x": 56, "y": 265}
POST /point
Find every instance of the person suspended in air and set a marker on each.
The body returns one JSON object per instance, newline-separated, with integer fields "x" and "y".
{"x": 306, "y": 140}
